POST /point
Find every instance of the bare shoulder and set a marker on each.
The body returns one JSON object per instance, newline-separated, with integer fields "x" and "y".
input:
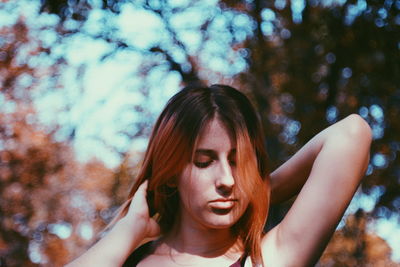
{"x": 279, "y": 254}
{"x": 273, "y": 253}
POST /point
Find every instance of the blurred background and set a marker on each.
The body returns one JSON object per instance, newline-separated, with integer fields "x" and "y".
{"x": 82, "y": 82}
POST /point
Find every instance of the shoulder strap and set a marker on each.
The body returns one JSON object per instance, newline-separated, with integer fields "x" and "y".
{"x": 137, "y": 255}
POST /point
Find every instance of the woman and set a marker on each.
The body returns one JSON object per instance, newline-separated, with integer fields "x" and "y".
{"x": 203, "y": 191}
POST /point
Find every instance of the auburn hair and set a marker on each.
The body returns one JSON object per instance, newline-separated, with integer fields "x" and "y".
{"x": 171, "y": 147}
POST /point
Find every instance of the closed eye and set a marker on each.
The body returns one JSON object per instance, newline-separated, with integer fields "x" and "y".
{"x": 202, "y": 164}
{"x": 204, "y": 157}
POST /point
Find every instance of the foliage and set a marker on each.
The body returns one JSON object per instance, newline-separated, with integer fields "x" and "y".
{"x": 305, "y": 66}
{"x": 370, "y": 250}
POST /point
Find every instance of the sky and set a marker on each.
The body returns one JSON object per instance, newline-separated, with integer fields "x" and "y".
{"x": 98, "y": 104}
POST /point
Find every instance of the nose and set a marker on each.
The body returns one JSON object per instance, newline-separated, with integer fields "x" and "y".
{"x": 225, "y": 179}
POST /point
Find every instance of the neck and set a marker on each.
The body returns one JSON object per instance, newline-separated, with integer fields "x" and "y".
{"x": 190, "y": 238}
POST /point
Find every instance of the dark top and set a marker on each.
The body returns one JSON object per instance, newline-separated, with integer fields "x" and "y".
{"x": 144, "y": 250}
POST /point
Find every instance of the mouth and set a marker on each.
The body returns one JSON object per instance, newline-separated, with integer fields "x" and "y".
{"x": 222, "y": 205}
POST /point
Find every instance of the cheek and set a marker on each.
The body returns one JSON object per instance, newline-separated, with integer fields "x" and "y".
{"x": 192, "y": 184}
{"x": 186, "y": 184}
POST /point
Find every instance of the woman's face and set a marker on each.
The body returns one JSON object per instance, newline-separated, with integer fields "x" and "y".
{"x": 208, "y": 191}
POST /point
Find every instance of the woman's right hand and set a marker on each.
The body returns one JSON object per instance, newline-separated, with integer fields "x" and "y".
{"x": 128, "y": 233}
{"x": 139, "y": 216}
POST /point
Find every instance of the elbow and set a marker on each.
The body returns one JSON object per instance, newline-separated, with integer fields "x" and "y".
{"x": 358, "y": 129}
{"x": 360, "y": 134}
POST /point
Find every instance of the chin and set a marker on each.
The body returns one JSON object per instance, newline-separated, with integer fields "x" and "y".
{"x": 221, "y": 221}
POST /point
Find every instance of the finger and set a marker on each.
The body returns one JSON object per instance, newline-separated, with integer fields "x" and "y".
{"x": 142, "y": 190}
{"x": 143, "y": 186}
{"x": 140, "y": 196}
{"x": 154, "y": 229}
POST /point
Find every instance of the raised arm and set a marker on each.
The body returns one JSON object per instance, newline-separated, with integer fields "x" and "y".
{"x": 127, "y": 234}
{"x": 328, "y": 170}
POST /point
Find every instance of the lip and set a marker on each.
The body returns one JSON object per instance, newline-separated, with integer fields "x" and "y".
{"x": 224, "y": 200}
{"x": 223, "y": 203}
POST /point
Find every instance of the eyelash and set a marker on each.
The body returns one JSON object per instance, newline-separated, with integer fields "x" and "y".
{"x": 207, "y": 163}
{"x": 202, "y": 164}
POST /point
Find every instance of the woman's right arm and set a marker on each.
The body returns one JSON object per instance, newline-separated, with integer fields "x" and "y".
{"x": 127, "y": 234}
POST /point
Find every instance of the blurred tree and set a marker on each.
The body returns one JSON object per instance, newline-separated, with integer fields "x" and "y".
{"x": 353, "y": 245}
{"x": 308, "y": 64}
{"x": 305, "y": 64}
{"x": 50, "y": 204}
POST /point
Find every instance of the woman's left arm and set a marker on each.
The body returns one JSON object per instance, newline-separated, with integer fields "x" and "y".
{"x": 328, "y": 170}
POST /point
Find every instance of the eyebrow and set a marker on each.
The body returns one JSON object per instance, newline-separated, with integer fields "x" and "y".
{"x": 205, "y": 151}
{"x": 210, "y": 151}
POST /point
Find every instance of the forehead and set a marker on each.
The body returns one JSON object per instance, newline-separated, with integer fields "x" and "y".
{"x": 215, "y": 135}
